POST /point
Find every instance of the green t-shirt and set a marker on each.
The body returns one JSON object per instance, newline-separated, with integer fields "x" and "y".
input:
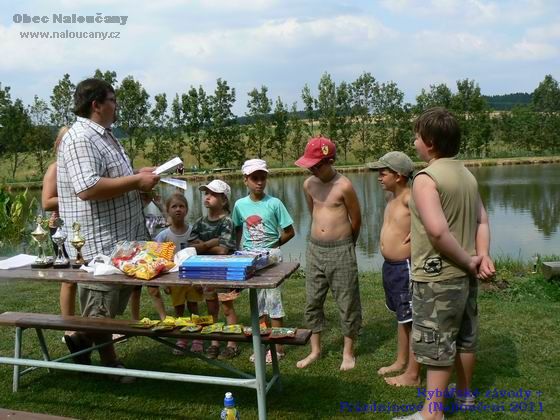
{"x": 261, "y": 220}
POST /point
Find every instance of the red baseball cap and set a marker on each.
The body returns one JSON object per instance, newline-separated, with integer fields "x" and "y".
{"x": 317, "y": 149}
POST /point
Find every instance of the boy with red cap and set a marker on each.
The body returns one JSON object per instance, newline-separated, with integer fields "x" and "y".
{"x": 331, "y": 257}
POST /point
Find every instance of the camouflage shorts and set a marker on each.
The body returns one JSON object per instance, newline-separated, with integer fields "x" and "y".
{"x": 444, "y": 320}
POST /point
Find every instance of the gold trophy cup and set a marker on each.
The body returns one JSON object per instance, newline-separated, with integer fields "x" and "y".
{"x": 77, "y": 242}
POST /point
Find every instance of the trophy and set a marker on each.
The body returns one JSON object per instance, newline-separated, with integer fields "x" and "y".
{"x": 39, "y": 235}
{"x": 59, "y": 238}
{"x": 77, "y": 242}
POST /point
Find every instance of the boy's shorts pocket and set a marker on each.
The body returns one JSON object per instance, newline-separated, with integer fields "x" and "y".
{"x": 425, "y": 344}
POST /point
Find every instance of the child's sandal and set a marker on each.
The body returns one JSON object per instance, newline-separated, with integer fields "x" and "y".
{"x": 212, "y": 352}
{"x": 229, "y": 353}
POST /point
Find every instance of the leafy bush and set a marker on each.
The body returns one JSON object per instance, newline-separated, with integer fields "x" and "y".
{"x": 17, "y": 213}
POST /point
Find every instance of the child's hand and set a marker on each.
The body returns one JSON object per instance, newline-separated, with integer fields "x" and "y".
{"x": 486, "y": 269}
{"x": 472, "y": 268}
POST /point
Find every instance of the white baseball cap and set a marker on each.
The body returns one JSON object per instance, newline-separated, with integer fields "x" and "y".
{"x": 253, "y": 165}
{"x": 217, "y": 186}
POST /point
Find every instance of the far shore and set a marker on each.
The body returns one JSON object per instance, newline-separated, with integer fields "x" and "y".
{"x": 234, "y": 173}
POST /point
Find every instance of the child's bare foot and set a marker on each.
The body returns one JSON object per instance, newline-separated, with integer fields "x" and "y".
{"x": 348, "y": 362}
{"x": 403, "y": 380}
{"x": 395, "y": 367}
{"x": 312, "y": 357}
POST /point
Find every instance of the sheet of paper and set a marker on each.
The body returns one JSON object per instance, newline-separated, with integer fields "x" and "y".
{"x": 168, "y": 166}
{"x": 17, "y": 261}
{"x": 179, "y": 183}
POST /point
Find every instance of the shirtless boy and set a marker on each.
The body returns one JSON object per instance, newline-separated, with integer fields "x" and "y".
{"x": 395, "y": 169}
{"x": 331, "y": 258}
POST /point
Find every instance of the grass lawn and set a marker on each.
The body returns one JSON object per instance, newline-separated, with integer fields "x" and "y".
{"x": 519, "y": 339}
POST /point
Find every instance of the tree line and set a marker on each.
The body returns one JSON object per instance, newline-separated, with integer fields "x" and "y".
{"x": 365, "y": 118}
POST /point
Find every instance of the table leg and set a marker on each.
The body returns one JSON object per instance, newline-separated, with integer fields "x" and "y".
{"x": 258, "y": 349}
{"x": 17, "y": 355}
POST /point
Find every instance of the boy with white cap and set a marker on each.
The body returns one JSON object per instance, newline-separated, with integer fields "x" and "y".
{"x": 262, "y": 221}
{"x": 395, "y": 170}
{"x": 213, "y": 234}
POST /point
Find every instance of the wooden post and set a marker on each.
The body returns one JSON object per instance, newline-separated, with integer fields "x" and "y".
{"x": 550, "y": 269}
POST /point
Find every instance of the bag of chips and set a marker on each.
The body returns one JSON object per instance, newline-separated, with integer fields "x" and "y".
{"x": 143, "y": 260}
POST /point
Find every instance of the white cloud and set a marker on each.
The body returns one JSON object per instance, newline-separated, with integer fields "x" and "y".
{"x": 528, "y": 51}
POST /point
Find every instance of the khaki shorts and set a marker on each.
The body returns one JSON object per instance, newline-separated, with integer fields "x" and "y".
{"x": 104, "y": 304}
{"x": 444, "y": 320}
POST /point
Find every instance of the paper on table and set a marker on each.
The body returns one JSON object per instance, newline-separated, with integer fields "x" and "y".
{"x": 168, "y": 166}
{"x": 179, "y": 183}
{"x": 17, "y": 261}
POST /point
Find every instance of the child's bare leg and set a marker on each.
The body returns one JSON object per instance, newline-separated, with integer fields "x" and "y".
{"x": 437, "y": 378}
{"x": 315, "y": 351}
{"x": 403, "y": 333}
{"x": 157, "y": 301}
{"x": 179, "y": 310}
{"x": 411, "y": 376}
{"x": 464, "y": 366}
{"x": 213, "y": 309}
{"x": 231, "y": 317}
{"x": 278, "y": 323}
{"x": 348, "y": 358}
{"x": 135, "y": 303}
{"x": 68, "y": 301}
{"x": 192, "y": 307}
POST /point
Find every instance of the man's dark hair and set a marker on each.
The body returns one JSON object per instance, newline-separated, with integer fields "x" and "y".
{"x": 439, "y": 128}
{"x": 87, "y": 91}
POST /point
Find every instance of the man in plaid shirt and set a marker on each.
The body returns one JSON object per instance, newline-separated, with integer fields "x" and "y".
{"x": 98, "y": 188}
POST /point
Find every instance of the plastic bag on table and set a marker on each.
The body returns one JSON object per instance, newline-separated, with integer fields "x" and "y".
{"x": 143, "y": 259}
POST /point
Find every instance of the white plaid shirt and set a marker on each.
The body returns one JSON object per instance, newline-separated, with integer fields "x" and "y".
{"x": 87, "y": 153}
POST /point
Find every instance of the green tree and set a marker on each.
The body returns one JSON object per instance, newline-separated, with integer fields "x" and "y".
{"x": 365, "y": 93}
{"x": 16, "y": 126}
{"x": 327, "y": 107}
{"x": 160, "y": 132}
{"x": 109, "y": 76}
{"x": 196, "y": 113}
{"x": 297, "y": 132}
{"x": 62, "y": 102}
{"x": 133, "y": 116}
{"x": 279, "y": 139}
{"x": 308, "y": 107}
{"x": 344, "y": 115}
{"x": 393, "y": 121}
{"x": 472, "y": 111}
{"x": 40, "y": 137}
{"x": 546, "y": 97}
{"x": 259, "y": 109}
{"x": 224, "y": 145}
{"x": 438, "y": 95}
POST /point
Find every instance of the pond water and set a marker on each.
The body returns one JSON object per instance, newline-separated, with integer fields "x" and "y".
{"x": 522, "y": 201}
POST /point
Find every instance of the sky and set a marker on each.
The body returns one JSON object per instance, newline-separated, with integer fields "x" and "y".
{"x": 504, "y": 46}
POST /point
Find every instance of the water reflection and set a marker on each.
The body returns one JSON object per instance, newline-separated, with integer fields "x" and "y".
{"x": 522, "y": 201}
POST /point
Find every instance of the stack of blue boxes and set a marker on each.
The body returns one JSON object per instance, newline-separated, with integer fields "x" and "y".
{"x": 218, "y": 267}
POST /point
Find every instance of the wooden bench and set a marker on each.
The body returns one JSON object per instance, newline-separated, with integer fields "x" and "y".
{"x": 22, "y": 321}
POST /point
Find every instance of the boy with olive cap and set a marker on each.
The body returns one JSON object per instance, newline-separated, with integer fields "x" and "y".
{"x": 395, "y": 170}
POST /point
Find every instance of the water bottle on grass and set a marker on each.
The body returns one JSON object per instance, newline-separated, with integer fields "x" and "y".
{"x": 229, "y": 412}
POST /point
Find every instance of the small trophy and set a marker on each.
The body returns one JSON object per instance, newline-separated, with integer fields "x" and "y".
{"x": 77, "y": 242}
{"x": 39, "y": 235}
{"x": 59, "y": 238}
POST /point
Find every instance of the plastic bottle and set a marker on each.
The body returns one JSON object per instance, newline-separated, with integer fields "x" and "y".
{"x": 229, "y": 412}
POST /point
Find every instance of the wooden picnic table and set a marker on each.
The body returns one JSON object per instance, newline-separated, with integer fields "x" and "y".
{"x": 267, "y": 278}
